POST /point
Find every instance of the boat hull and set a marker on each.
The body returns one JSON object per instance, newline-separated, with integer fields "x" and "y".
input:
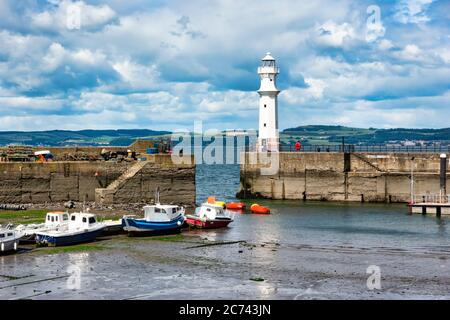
{"x": 207, "y": 224}
{"x": 9, "y": 246}
{"x": 43, "y": 239}
{"x": 113, "y": 229}
{"x": 142, "y": 227}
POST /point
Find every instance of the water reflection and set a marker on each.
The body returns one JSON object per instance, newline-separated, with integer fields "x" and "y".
{"x": 321, "y": 223}
{"x": 78, "y": 270}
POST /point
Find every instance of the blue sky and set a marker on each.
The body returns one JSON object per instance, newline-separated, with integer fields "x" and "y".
{"x": 162, "y": 65}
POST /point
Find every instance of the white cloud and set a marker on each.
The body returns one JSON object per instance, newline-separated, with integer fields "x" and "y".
{"x": 65, "y": 12}
{"x": 138, "y": 76}
{"x": 412, "y": 11}
{"x": 144, "y": 64}
{"x": 333, "y": 34}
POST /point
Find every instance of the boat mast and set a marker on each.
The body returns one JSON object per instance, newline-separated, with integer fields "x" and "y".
{"x": 157, "y": 195}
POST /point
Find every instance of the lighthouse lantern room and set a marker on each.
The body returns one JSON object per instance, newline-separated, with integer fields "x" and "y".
{"x": 268, "y": 137}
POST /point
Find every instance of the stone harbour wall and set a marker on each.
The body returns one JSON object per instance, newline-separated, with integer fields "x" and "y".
{"x": 33, "y": 182}
{"x": 329, "y": 176}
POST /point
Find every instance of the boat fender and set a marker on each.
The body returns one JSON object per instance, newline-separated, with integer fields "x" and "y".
{"x": 15, "y": 246}
{"x": 179, "y": 222}
{"x": 3, "y": 246}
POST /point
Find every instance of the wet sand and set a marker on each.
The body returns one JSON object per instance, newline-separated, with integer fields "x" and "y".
{"x": 196, "y": 266}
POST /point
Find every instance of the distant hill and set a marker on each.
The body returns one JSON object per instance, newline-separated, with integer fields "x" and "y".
{"x": 313, "y": 135}
{"x": 321, "y": 134}
{"x": 120, "y": 137}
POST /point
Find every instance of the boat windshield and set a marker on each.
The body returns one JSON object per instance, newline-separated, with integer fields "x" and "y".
{"x": 91, "y": 220}
{"x": 160, "y": 210}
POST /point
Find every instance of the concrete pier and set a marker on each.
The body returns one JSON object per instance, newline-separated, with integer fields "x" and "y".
{"x": 335, "y": 176}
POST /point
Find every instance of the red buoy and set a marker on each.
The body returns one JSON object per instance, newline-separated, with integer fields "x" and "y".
{"x": 256, "y": 208}
{"x": 235, "y": 205}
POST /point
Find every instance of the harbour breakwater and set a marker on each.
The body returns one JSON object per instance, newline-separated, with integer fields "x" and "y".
{"x": 337, "y": 176}
{"x": 100, "y": 181}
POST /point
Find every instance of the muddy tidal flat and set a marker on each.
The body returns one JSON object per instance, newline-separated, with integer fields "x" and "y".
{"x": 199, "y": 266}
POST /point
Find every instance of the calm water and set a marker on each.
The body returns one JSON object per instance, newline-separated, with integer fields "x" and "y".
{"x": 324, "y": 223}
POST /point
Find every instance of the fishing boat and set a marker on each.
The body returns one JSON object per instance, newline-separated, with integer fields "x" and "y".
{"x": 9, "y": 240}
{"x": 112, "y": 227}
{"x": 158, "y": 218}
{"x": 81, "y": 227}
{"x": 209, "y": 216}
{"x": 256, "y": 208}
{"x": 53, "y": 221}
{"x": 235, "y": 206}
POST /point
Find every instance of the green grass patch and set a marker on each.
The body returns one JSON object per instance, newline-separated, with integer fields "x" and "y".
{"x": 70, "y": 249}
{"x": 22, "y": 216}
{"x": 257, "y": 279}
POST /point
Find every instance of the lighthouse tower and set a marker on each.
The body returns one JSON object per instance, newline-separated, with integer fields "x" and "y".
{"x": 268, "y": 137}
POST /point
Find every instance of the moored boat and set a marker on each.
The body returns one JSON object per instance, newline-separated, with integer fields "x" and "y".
{"x": 158, "y": 218}
{"x": 9, "y": 240}
{"x": 82, "y": 227}
{"x": 53, "y": 221}
{"x": 256, "y": 208}
{"x": 209, "y": 216}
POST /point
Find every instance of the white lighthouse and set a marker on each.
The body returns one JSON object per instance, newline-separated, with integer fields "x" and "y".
{"x": 268, "y": 137}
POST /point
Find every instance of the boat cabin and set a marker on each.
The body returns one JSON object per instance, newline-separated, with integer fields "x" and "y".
{"x": 82, "y": 220}
{"x": 56, "y": 218}
{"x": 159, "y": 212}
{"x": 212, "y": 211}
{"x": 6, "y": 235}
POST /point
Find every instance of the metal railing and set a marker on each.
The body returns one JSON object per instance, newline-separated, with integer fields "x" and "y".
{"x": 367, "y": 148}
{"x": 431, "y": 198}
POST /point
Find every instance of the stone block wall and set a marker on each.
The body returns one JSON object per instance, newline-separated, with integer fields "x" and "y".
{"x": 33, "y": 182}
{"x": 321, "y": 176}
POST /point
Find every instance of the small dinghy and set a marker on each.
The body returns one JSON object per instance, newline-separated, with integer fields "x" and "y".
{"x": 82, "y": 227}
{"x": 236, "y": 206}
{"x": 9, "y": 240}
{"x": 158, "y": 218}
{"x": 209, "y": 216}
{"x": 256, "y": 208}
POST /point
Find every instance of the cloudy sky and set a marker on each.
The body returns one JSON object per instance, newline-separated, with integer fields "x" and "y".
{"x": 163, "y": 64}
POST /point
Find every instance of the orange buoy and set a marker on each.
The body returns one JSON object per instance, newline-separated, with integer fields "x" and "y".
{"x": 256, "y": 208}
{"x": 235, "y": 205}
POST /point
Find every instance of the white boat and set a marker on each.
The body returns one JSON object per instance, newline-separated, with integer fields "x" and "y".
{"x": 53, "y": 221}
{"x": 81, "y": 227}
{"x": 209, "y": 216}
{"x": 9, "y": 240}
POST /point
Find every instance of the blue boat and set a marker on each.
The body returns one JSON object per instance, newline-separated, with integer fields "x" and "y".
{"x": 82, "y": 227}
{"x": 158, "y": 218}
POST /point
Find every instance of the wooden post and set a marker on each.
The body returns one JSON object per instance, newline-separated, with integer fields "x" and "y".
{"x": 443, "y": 176}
